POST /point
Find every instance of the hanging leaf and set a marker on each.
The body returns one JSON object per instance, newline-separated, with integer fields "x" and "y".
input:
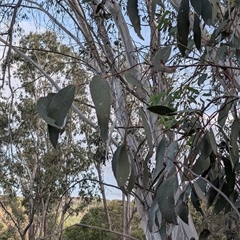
{"x": 195, "y": 201}
{"x": 151, "y": 214}
{"x": 162, "y": 110}
{"x": 212, "y": 193}
{"x": 182, "y": 208}
{"x": 197, "y": 33}
{"x": 165, "y": 198}
{"x": 203, "y": 162}
{"x": 42, "y": 109}
{"x": 197, "y": 5}
{"x": 101, "y": 96}
{"x": 130, "y": 76}
{"x": 171, "y": 151}
{"x": 132, "y": 10}
{"x": 161, "y": 56}
{"x": 183, "y": 26}
{"x": 234, "y": 150}
{"x": 206, "y": 11}
{"x": 202, "y": 79}
{"x": 230, "y": 174}
{"x": 60, "y": 105}
{"x": 212, "y": 141}
{"x": 53, "y": 135}
{"x": 160, "y": 152}
{"x": 204, "y": 234}
{"x": 221, "y": 201}
{"x": 223, "y": 112}
{"x": 120, "y": 165}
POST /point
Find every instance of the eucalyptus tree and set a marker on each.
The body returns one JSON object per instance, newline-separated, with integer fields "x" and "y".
{"x": 167, "y": 106}
{"x": 36, "y": 179}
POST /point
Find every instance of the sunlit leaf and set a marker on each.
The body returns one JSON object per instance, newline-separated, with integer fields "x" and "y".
{"x": 183, "y": 26}
{"x": 60, "y": 105}
{"x": 101, "y": 96}
{"x": 165, "y": 198}
{"x": 132, "y": 10}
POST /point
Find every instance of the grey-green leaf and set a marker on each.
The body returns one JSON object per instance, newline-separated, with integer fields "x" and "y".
{"x": 197, "y": 33}
{"x": 132, "y": 10}
{"x": 223, "y": 112}
{"x": 161, "y": 57}
{"x": 101, "y": 96}
{"x": 183, "y": 26}
{"x": 121, "y": 165}
{"x": 162, "y": 110}
{"x": 42, "y": 108}
{"x": 130, "y": 76}
{"x": 53, "y": 135}
{"x": 165, "y": 198}
{"x": 182, "y": 208}
{"x": 60, "y": 104}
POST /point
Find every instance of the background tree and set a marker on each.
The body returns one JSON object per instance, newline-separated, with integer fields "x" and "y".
{"x": 170, "y": 143}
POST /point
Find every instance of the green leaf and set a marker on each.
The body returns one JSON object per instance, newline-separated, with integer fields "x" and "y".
{"x": 183, "y": 26}
{"x": 212, "y": 141}
{"x": 197, "y": 5}
{"x": 212, "y": 193}
{"x": 171, "y": 151}
{"x": 195, "y": 201}
{"x": 197, "y": 33}
{"x": 230, "y": 174}
{"x": 130, "y": 76}
{"x": 202, "y": 79}
{"x": 160, "y": 153}
{"x": 223, "y": 112}
{"x": 206, "y": 11}
{"x": 101, "y": 96}
{"x": 204, "y": 234}
{"x": 42, "y": 108}
{"x": 203, "y": 162}
{"x": 151, "y": 214}
{"x": 121, "y": 165}
{"x": 161, "y": 57}
{"x": 221, "y": 201}
{"x": 53, "y": 135}
{"x": 165, "y": 198}
{"x": 60, "y": 104}
{"x": 162, "y": 110}
{"x": 182, "y": 208}
{"x": 234, "y": 150}
{"x": 132, "y": 10}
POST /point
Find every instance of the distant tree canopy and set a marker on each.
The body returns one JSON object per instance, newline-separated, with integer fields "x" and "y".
{"x": 96, "y": 217}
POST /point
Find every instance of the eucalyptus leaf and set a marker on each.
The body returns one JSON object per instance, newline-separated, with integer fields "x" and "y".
{"x": 53, "y": 135}
{"x": 230, "y": 174}
{"x": 130, "y": 76}
{"x": 162, "y": 110}
{"x": 182, "y": 209}
{"x": 121, "y": 165}
{"x": 223, "y": 112}
{"x": 183, "y": 26}
{"x": 197, "y": 33}
{"x": 205, "y": 233}
{"x": 132, "y": 10}
{"x": 101, "y": 96}
{"x": 42, "y": 109}
{"x": 165, "y": 198}
{"x": 202, "y": 79}
{"x": 161, "y": 57}
{"x": 60, "y": 105}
